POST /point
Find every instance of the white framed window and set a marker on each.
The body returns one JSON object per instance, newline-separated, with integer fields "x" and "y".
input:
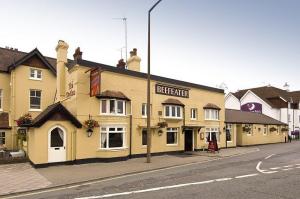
{"x": 35, "y": 74}
{"x": 2, "y": 138}
{"x": 172, "y": 136}
{"x": 144, "y": 109}
{"x": 112, "y": 107}
{"x": 265, "y": 130}
{"x": 112, "y": 137}
{"x": 211, "y": 114}
{"x": 1, "y": 100}
{"x": 229, "y": 132}
{"x": 35, "y": 99}
{"x": 193, "y": 114}
{"x": 173, "y": 111}
{"x": 212, "y": 134}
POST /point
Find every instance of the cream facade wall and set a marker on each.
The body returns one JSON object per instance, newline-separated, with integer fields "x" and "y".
{"x": 5, "y": 87}
{"x": 257, "y": 136}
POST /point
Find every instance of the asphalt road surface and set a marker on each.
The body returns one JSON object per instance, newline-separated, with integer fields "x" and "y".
{"x": 273, "y": 172}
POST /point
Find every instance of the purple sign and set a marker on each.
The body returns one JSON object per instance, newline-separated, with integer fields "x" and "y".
{"x": 252, "y": 107}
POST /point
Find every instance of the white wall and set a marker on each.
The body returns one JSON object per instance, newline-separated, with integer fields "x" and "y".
{"x": 231, "y": 102}
{"x": 266, "y": 108}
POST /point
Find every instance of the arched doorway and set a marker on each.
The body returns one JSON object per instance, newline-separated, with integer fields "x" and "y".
{"x": 57, "y": 144}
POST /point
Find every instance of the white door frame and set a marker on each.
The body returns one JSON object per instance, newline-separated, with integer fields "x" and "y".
{"x": 61, "y": 155}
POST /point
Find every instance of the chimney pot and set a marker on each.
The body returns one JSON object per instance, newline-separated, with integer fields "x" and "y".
{"x": 121, "y": 64}
{"x": 77, "y": 55}
{"x": 133, "y": 63}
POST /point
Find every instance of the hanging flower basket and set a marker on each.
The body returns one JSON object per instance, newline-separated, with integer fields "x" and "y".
{"x": 24, "y": 120}
{"x": 246, "y": 128}
{"x": 90, "y": 124}
{"x": 162, "y": 124}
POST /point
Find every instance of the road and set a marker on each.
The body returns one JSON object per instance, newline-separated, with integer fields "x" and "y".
{"x": 273, "y": 172}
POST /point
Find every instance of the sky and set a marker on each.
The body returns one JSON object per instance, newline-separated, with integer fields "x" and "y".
{"x": 239, "y": 43}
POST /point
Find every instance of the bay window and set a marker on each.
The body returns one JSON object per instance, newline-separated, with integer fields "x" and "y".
{"x": 112, "y": 137}
{"x": 211, "y": 114}
{"x": 212, "y": 134}
{"x": 172, "y": 135}
{"x": 112, "y": 107}
{"x": 173, "y": 111}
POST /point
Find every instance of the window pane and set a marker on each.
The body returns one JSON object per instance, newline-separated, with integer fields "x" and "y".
{"x": 178, "y": 111}
{"x": 173, "y": 111}
{"x": 167, "y": 111}
{"x": 115, "y": 140}
{"x": 144, "y": 109}
{"x": 103, "y": 140}
{"x": 171, "y": 138}
{"x": 112, "y": 129}
{"x": 39, "y": 74}
{"x": 119, "y": 129}
{"x": 120, "y": 105}
{"x": 32, "y": 73}
{"x": 103, "y": 106}
{"x": 56, "y": 139}
{"x": 144, "y": 137}
{"x": 112, "y": 106}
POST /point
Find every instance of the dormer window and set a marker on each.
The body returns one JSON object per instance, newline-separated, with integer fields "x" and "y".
{"x": 211, "y": 112}
{"x": 35, "y": 74}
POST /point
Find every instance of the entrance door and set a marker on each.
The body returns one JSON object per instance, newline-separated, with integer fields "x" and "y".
{"x": 188, "y": 140}
{"x": 57, "y": 145}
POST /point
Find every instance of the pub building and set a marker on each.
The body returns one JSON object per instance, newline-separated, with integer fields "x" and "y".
{"x": 83, "y": 111}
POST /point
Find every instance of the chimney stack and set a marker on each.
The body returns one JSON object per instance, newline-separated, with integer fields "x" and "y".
{"x": 61, "y": 61}
{"x": 121, "y": 64}
{"x": 77, "y": 55}
{"x": 133, "y": 63}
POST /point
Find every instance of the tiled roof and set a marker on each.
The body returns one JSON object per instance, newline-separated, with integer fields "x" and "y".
{"x": 112, "y": 94}
{"x": 243, "y": 117}
{"x": 211, "y": 106}
{"x": 172, "y": 101}
{"x": 50, "y": 111}
{"x": 4, "y": 121}
{"x": 269, "y": 94}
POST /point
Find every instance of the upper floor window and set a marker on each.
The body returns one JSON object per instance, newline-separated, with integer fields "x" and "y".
{"x": 113, "y": 107}
{"x": 35, "y": 99}
{"x": 193, "y": 113}
{"x": 173, "y": 111}
{"x": 144, "y": 109}
{"x": 1, "y": 100}
{"x": 35, "y": 74}
{"x": 112, "y": 137}
{"x": 211, "y": 114}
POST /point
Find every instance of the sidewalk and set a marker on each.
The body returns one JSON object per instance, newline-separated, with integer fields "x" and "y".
{"x": 70, "y": 174}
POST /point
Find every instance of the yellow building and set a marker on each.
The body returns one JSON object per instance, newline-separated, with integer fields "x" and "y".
{"x": 184, "y": 116}
{"x": 253, "y": 128}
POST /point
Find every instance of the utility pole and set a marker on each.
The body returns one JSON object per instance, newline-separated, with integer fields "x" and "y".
{"x": 148, "y": 89}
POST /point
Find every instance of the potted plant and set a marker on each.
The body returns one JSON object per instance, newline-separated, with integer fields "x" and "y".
{"x": 24, "y": 120}
{"x": 90, "y": 124}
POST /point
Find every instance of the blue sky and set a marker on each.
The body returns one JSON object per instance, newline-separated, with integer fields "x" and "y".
{"x": 242, "y": 43}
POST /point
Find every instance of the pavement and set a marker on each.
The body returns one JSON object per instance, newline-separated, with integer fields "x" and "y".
{"x": 24, "y": 178}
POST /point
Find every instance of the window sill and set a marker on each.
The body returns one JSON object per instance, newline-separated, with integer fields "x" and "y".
{"x": 172, "y": 144}
{"x": 35, "y": 110}
{"x": 35, "y": 79}
{"x": 113, "y": 149}
{"x": 112, "y": 115}
{"x": 212, "y": 120}
{"x": 172, "y": 118}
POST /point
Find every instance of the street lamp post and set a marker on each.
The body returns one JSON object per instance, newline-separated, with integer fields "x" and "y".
{"x": 148, "y": 90}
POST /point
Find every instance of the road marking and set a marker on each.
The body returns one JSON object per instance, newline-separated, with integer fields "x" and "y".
{"x": 288, "y": 166}
{"x": 246, "y": 176}
{"x": 269, "y": 156}
{"x": 275, "y": 168}
{"x": 53, "y": 189}
{"x": 287, "y": 169}
{"x": 297, "y": 167}
{"x": 223, "y": 179}
{"x": 147, "y": 190}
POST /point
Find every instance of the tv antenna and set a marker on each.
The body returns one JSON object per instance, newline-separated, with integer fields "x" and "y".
{"x": 121, "y": 51}
{"x": 124, "y": 19}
